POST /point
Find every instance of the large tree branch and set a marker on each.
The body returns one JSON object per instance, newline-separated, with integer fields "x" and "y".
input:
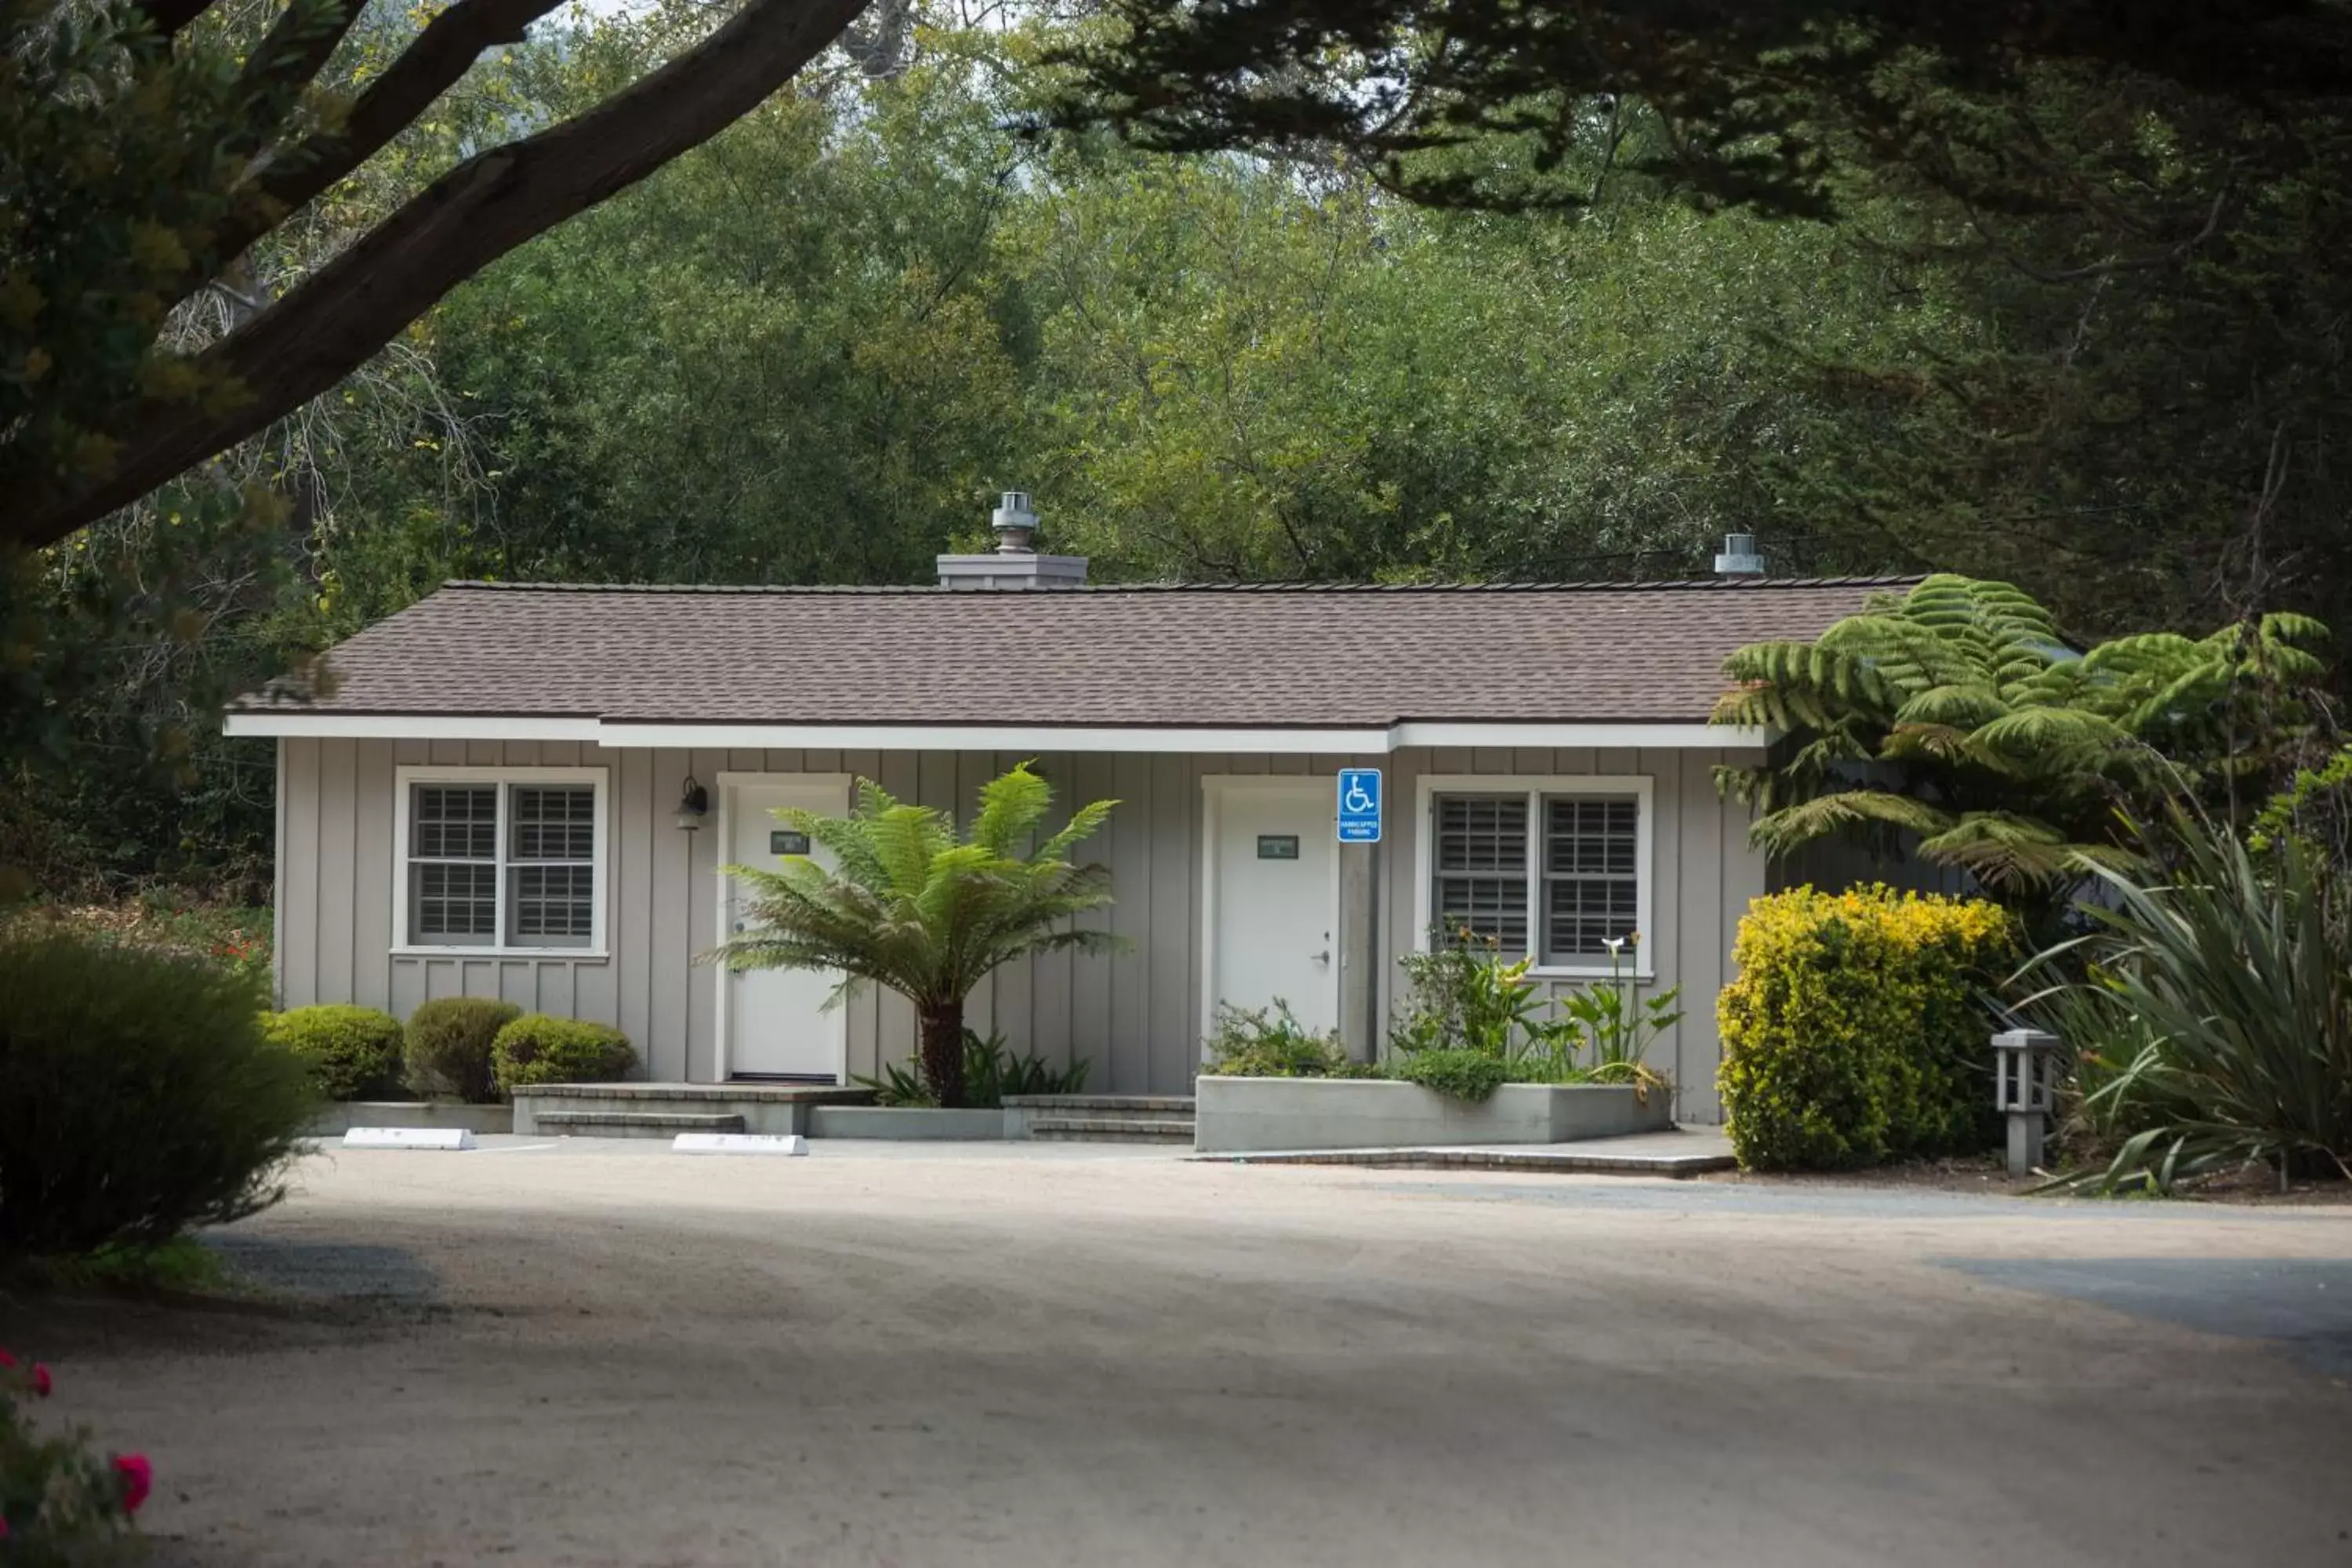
{"x": 285, "y": 180}
{"x": 477, "y": 213}
{"x": 450, "y": 43}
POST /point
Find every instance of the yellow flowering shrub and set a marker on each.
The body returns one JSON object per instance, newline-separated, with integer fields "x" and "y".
{"x": 1853, "y": 1034}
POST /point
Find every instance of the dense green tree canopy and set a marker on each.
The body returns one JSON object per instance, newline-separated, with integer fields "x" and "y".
{"x": 2089, "y": 339}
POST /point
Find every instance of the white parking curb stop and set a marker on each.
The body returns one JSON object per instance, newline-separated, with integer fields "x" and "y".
{"x": 738, "y": 1143}
{"x": 408, "y": 1138}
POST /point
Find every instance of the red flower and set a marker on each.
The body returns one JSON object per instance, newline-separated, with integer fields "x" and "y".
{"x": 6, "y": 1360}
{"x": 41, "y": 1379}
{"x": 3, "y": 1530}
{"x": 137, "y": 1478}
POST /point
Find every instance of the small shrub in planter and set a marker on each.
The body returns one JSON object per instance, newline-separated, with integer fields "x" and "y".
{"x": 138, "y": 1097}
{"x": 1455, "y": 1070}
{"x": 354, "y": 1053}
{"x": 58, "y": 1501}
{"x": 1855, "y": 1033}
{"x": 448, "y": 1043}
{"x": 1272, "y": 1043}
{"x": 538, "y": 1048}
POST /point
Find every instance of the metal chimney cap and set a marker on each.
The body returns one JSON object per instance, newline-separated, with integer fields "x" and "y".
{"x": 1739, "y": 557}
{"x": 1015, "y": 524}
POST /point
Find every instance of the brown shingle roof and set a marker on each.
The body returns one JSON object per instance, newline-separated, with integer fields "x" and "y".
{"x": 1259, "y": 656}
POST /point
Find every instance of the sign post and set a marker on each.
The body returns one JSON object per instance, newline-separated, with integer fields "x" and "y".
{"x": 1359, "y": 805}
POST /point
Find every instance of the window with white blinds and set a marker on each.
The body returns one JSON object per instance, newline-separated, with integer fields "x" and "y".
{"x": 1481, "y": 869}
{"x": 1592, "y": 894}
{"x": 511, "y": 864}
{"x": 1551, "y": 871}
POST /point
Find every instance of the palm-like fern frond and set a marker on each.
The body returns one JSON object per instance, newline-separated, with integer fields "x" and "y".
{"x": 2013, "y": 749}
{"x": 909, "y": 904}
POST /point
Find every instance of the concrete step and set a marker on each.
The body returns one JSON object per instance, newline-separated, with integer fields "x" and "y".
{"x": 1129, "y": 1107}
{"x": 1112, "y": 1129}
{"x": 634, "y": 1124}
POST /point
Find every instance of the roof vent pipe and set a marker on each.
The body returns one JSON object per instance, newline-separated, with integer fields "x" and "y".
{"x": 1739, "y": 558}
{"x": 1015, "y": 524}
{"x": 1014, "y": 562}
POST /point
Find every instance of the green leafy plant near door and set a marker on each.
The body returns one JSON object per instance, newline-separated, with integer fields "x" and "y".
{"x": 1462, "y": 996}
{"x": 913, "y": 905}
{"x": 1469, "y": 1022}
{"x": 991, "y": 1072}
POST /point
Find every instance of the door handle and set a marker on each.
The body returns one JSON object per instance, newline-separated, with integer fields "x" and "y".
{"x": 1322, "y": 957}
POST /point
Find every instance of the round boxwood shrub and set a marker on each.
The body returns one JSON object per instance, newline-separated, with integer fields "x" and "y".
{"x": 1853, "y": 1035}
{"x": 538, "y": 1048}
{"x": 447, "y": 1047}
{"x": 354, "y": 1053}
{"x": 139, "y": 1095}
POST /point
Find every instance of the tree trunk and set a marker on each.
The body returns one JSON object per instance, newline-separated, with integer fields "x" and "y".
{"x": 942, "y": 1050}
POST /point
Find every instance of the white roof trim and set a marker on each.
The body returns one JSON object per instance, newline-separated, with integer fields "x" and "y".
{"x": 1669, "y": 737}
{"x": 993, "y": 738}
{"x": 407, "y": 726}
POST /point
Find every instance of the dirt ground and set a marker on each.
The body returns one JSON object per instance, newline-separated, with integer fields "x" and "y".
{"x": 604, "y": 1354}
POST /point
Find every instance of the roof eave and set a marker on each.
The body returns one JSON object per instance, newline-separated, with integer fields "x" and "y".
{"x": 1670, "y": 734}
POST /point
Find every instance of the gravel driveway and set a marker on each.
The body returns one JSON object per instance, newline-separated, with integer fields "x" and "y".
{"x": 606, "y": 1354}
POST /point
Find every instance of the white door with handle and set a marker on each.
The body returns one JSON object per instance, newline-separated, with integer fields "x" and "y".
{"x": 1273, "y": 904}
{"x": 773, "y": 1023}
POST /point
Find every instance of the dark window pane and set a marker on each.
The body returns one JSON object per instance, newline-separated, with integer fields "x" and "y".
{"x": 554, "y": 906}
{"x": 456, "y": 822}
{"x": 1482, "y": 833}
{"x": 554, "y": 822}
{"x": 1591, "y": 861}
{"x": 455, "y": 903}
{"x": 1492, "y": 907}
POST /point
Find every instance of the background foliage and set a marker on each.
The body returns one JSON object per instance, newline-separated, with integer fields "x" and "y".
{"x": 2082, "y": 331}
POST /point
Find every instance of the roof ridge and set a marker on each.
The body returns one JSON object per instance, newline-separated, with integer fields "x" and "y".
{"x": 1713, "y": 584}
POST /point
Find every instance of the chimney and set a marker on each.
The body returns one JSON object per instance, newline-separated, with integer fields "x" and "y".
{"x": 1015, "y": 563}
{"x": 1739, "y": 558}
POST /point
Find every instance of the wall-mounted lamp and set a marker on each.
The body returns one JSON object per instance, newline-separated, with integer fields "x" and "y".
{"x": 693, "y": 805}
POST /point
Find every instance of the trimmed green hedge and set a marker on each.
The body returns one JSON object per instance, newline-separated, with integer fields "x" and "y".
{"x": 538, "y": 1048}
{"x": 1853, "y": 1035}
{"x": 354, "y": 1053}
{"x": 447, "y": 1047}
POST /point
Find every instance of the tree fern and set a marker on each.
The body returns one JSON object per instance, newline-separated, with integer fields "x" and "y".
{"x": 909, "y": 905}
{"x": 1957, "y": 715}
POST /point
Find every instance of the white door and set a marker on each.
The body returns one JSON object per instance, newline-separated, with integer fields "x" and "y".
{"x": 773, "y": 1022}
{"x": 1274, "y": 912}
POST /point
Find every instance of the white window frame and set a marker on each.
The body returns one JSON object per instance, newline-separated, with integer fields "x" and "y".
{"x": 404, "y": 781}
{"x": 1534, "y": 788}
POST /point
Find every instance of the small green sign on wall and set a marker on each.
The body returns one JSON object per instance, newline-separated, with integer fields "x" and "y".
{"x": 1277, "y": 847}
{"x": 783, "y": 841}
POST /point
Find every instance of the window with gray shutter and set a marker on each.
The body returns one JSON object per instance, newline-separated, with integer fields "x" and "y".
{"x": 1481, "y": 869}
{"x": 453, "y": 865}
{"x": 1592, "y": 894}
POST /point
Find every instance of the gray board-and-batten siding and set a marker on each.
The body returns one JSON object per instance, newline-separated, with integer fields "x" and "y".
{"x": 1135, "y": 1016}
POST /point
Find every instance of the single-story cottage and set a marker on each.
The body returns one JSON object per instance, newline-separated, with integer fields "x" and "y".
{"x": 530, "y": 791}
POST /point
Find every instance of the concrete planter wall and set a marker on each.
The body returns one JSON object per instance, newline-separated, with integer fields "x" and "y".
{"x": 905, "y": 1122}
{"x": 1250, "y": 1115}
{"x": 344, "y": 1115}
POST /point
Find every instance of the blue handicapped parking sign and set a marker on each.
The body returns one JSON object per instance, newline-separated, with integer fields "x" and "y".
{"x": 1359, "y": 805}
